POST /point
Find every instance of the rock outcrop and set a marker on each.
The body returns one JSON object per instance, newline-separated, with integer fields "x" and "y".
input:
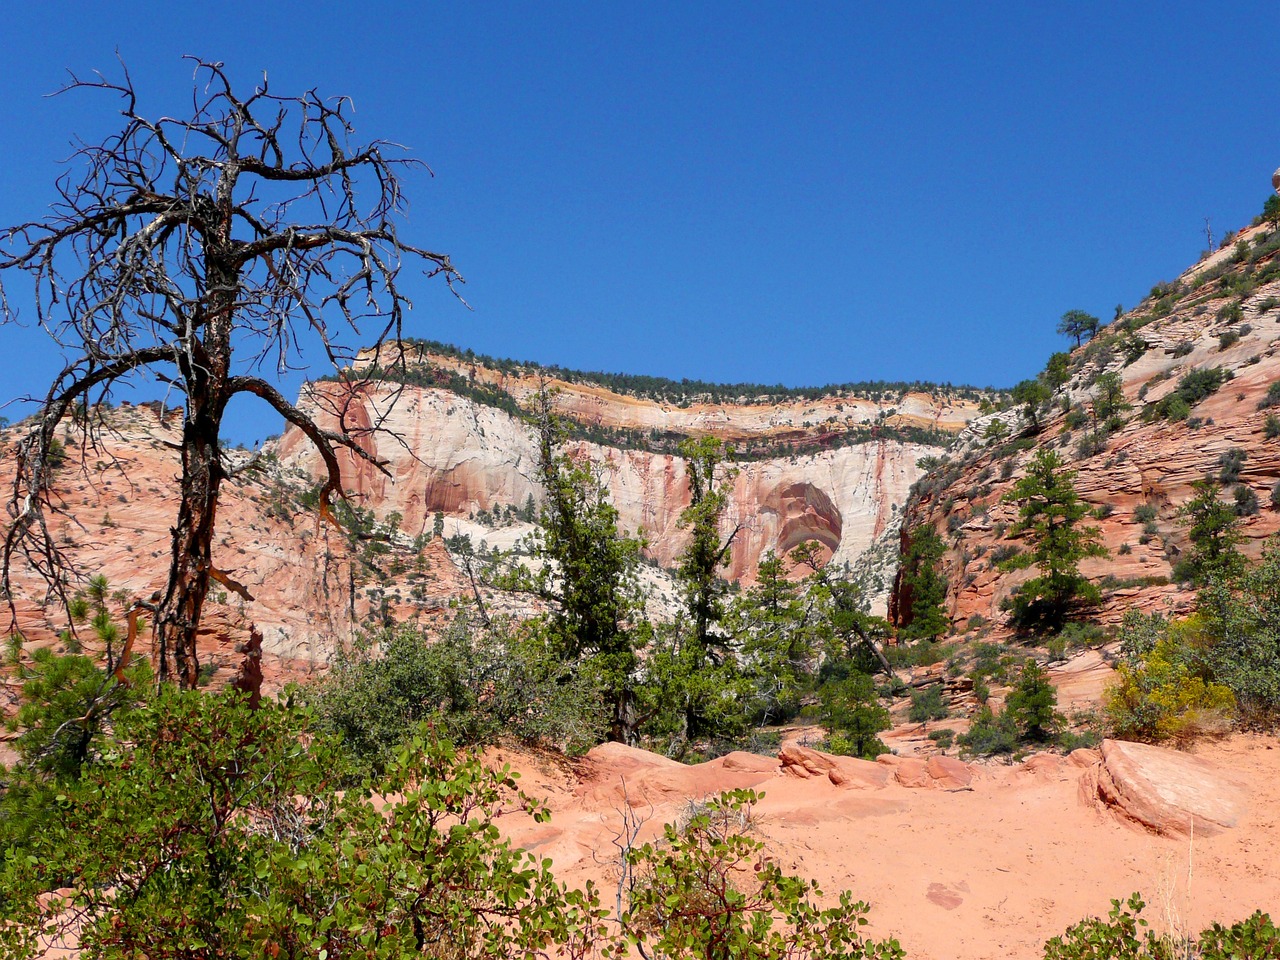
{"x": 450, "y": 454}
{"x": 1164, "y": 791}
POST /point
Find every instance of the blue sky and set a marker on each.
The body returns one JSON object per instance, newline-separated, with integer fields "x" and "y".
{"x": 798, "y": 193}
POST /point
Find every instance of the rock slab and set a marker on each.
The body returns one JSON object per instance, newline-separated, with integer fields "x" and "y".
{"x": 1166, "y": 791}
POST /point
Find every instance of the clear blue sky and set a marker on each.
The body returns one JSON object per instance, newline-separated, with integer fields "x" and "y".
{"x": 796, "y": 193}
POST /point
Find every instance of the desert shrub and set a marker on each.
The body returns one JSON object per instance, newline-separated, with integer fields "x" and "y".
{"x": 1163, "y": 689}
{"x": 1090, "y": 445}
{"x": 1032, "y": 705}
{"x": 851, "y": 711}
{"x": 943, "y": 738}
{"x": 1125, "y": 935}
{"x": 1246, "y": 501}
{"x": 1275, "y": 495}
{"x": 1195, "y": 386}
{"x": 1083, "y": 633}
{"x": 927, "y": 705}
{"x": 1230, "y": 463}
{"x": 474, "y": 685}
{"x": 708, "y": 890}
{"x": 1228, "y": 339}
{"x": 1271, "y": 428}
{"x": 1076, "y": 418}
{"x": 1241, "y": 620}
{"x": 1183, "y": 348}
{"x": 1144, "y": 512}
{"x": 989, "y": 734}
{"x": 211, "y": 829}
{"x": 1272, "y": 398}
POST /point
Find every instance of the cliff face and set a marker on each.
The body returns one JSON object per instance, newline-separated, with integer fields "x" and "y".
{"x": 451, "y": 454}
{"x": 118, "y": 502}
{"x": 1216, "y": 315}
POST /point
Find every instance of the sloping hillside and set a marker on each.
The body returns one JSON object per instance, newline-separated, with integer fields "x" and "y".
{"x": 1196, "y": 361}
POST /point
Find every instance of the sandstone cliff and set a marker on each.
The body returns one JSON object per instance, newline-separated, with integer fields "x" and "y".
{"x": 452, "y": 454}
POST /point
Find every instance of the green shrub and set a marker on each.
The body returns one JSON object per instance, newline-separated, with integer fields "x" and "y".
{"x": 1183, "y": 348}
{"x": 1124, "y": 935}
{"x": 943, "y": 738}
{"x": 1228, "y": 339}
{"x": 1230, "y": 463}
{"x": 1271, "y": 429}
{"x": 927, "y": 705}
{"x": 1272, "y": 399}
{"x": 1246, "y": 501}
{"x": 989, "y": 734}
{"x": 1144, "y": 512}
{"x": 1161, "y": 691}
{"x": 707, "y": 890}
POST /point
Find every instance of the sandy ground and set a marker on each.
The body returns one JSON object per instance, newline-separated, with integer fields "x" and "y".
{"x": 989, "y": 871}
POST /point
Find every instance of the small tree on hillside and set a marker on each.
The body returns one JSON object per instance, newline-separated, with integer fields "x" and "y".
{"x": 1078, "y": 324}
{"x": 1049, "y": 514}
{"x": 924, "y": 589}
{"x": 707, "y": 467}
{"x": 1214, "y": 531}
{"x": 196, "y": 252}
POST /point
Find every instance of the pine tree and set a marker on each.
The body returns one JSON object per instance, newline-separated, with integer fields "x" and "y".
{"x": 1050, "y": 514}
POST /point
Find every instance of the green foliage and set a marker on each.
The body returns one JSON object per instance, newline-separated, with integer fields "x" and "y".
{"x": 928, "y": 704}
{"x": 587, "y": 571}
{"x": 1108, "y": 397}
{"x": 1242, "y": 627}
{"x": 1214, "y": 531}
{"x": 989, "y": 734}
{"x": 1195, "y": 386}
{"x": 1164, "y": 689}
{"x": 924, "y": 588}
{"x": 1050, "y": 512}
{"x": 1078, "y": 324}
{"x": 1032, "y": 705}
{"x": 709, "y": 892}
{"x": 1272, "y": 398}
{"x": 1125, "y": 935}
{"x": 474, "y": 685}
{"x": 210, "y": 829}
{"x": 854, "y": 716}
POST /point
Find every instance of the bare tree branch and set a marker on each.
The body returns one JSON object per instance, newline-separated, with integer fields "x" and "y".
{"x": 194, "y": 251}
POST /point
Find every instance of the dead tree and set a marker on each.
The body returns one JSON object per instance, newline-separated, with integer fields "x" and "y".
{"x": 198, "y": 252}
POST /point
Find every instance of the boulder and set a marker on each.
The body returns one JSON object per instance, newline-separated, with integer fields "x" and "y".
{"x": 804, "y": 763}
{"x": 1163, "y": 790}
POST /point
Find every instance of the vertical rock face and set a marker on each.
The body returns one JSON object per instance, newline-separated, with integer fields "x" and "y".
{"x": 448, "y": 453}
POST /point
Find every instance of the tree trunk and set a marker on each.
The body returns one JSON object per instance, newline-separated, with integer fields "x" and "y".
{"x": 178, "y": 617}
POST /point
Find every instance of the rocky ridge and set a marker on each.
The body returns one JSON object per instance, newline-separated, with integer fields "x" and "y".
{"x": 1221, "y": 313}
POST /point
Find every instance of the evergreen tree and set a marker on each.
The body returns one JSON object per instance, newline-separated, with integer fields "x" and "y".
{"x": 925, "y": 589}
{"x": 1050, "y": 513}
{"x": 1214, "y": 531}
{"x": 1078, "y": 324}
{"x": 1032, "y": 704}
{"x": 587, "y": 571}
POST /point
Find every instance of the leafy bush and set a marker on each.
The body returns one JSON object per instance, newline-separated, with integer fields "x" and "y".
{"x": 1246, "y": 501}
{"x": 1195, "y": 386}
{"x": 1124, "y": 935}
{"x": 1144, "y": 512}
{"x": 1163, "y": 691}
{"x": 709, "y": 891}
{"x": 989, "y": 734}
{"x": 1228, "y": 339}
{"x": 928, "y": 704}
{"x": 1271, "y": 429}
{"x": 1272, "y": 399}
{"x": 1032, "y": 705}
{"x": 943, "y": 738}
{"x": 474, "y": 685}
{"x": 211, "y": 829}
{"x": 1230, "y": 463}
{"x": 854, "y": 716}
